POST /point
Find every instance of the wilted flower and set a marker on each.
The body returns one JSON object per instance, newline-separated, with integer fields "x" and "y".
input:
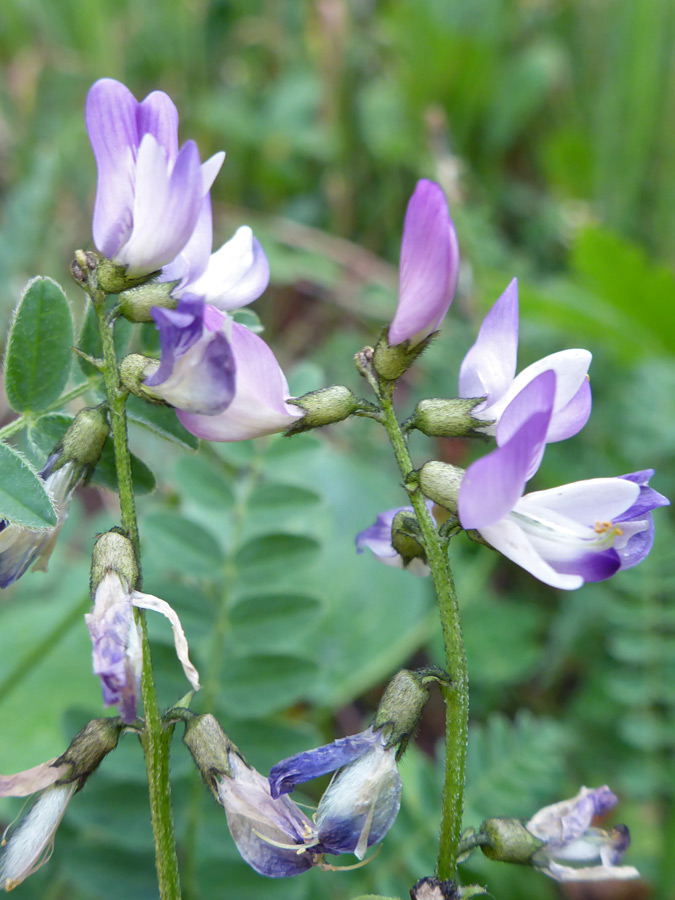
{"x": 361, "y": 802}
{"x": 566, "y": 830}
{"x": 379, "y": 538}
{"x": 197, "y": 369}
{"x": 117, "y": 651}
{"x": 489, "y": 370}
{"x": 149, "y": 196}
{"x": 584, "y": 531}
{"x": 30, "y": 845}
{"x": 429, "y": 266}
{"x": 259, "y": 405}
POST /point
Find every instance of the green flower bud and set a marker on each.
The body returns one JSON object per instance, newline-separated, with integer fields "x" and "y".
{"x": 405, "y": 531}
{"x": 134, "y": 369}
{"x": 509, "y": 841}
{"x": 447, "y": 418}
{"x": 323, "y": 407}
{"x": 136, "y": 303}
{"x": 440, "y": 482}
{"x": 113, "y": 552}
{"x": 391, "y": 362}
{"x": 113, "y": 279}
{"x": 83, "y": 442}
{"x": 88, "y": 748}
{"x": 403, "y": 701}
{"x": 210, "y": 748}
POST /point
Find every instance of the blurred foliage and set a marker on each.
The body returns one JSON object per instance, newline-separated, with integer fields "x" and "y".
{"x": 551, "y": 126}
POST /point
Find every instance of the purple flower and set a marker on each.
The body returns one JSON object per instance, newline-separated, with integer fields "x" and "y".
{"x": 259, "y": 404}
{"x": 584, "y": 531}
{"x": 566, "y": 830}
{"x": 117, "y": 642}
{"x": 378, "y": 538}
{"x": 20, "y": 546}
{"x": 271, "y": 833}
{"x": 361, "y": 802}
{"x": 489, "y": 370}
{"x": 149, "y": 195}
{"x": 197, "y": 369}
{"x": 429, "y": 266}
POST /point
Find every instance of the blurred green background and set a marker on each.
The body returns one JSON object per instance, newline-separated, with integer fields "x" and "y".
{"x": 551, "y": 127}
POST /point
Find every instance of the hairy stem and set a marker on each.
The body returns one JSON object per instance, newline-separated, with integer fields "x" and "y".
{"x": 456, "y": 693}
{"x": 155, "y": 738}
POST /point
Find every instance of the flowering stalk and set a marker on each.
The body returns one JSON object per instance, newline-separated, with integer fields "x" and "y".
{"x": 154, "y": 738}
{"x": 456, "y": 692}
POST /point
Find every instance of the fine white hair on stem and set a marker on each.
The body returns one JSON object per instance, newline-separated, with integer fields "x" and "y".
{"x": 30, "y": 846}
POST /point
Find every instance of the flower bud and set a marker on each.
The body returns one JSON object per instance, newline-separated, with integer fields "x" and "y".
{"x": 210, "y": 748}
{"x": 390, "y": 362}
{"x": 323, "y": 407}
{"x": 509, "y": 841}
{"x": 440, "y": 482}
{"x": 447, "y": 418}
{"x": 136, "y": 303}
{"x": 404, "y": 533}
{"x": 134, "y": 369}
{"x": 113, "y": 278}
{"x": 84, "y": 440}
{"x": 402, "y": 703}
{"x": 113, "y": 552}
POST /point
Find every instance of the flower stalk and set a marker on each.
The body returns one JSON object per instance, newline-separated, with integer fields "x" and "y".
{"x": 155, "y": 739}
{"x": 456, "y": 691}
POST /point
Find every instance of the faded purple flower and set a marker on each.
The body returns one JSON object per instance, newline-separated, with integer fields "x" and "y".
{"x": 272, "y": 834}
{"x": 149, "y": 195}
{"x": 429, "y": 266}
{"x": 19, "y": 546}
{"x": 489, "y": 370}
{"x": 197, "y": 369}
{"x": 117, "y": 642}
{"x": 378, "y": 538}
{"x": 566, "y": 830}
{"x": 361, "y": 802}
{"x": 259, "y": 405}
{"x": 584, "y": 531}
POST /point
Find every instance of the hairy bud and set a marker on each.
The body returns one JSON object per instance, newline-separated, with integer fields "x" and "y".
{"x": 210, "y": 748}
{"x": 83, "y": 441}
{"x": 134, "y": 369}
{"x": 403, "y": 701}
{"x": 447, "y": 418}
{"x": 113, "y": 552}
{"x": 509, "y": 841}
{"x": 136, "y": 303}
{"x": 440, "y": 482}
{"x": 391, "y": 362}
{"x": 323, "y": 407}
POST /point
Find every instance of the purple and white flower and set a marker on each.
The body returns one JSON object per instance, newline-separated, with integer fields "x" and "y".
{"x": 19, "y": 546}
{"x": 197, "y": 368}
{"x": 259, "y": 405}
{"x": 378, "y": 538}
{"x": 361, "y": 802}
{"x": 429, "y": 266}
{"x": 117, "y": 642}
{"x": 149, "y": 195}
{"x": 489, "y": 370}
{"x": 584, "y": 531}
{"x": 272, "y": 834}
{"x": 566, "y": 830}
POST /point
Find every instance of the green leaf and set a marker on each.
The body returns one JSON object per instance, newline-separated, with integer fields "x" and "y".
{"x": 261, "y": 558}
{"x": 105, "y": 473}
{"x": 204, "y": 483}
{"x": 249, "y": 318}
{"x": 258, "y": 685}
{"x": 266, "y": 619}
{"x": 275, "y": 496}
{"x": 182, "y": 545}
{"x": 23, "y": 497}
{"x": 38, "y": 358}
{"x": 162, "y": 421}
{"x": 45, "y": 434}
{"x": 90, "y": 342}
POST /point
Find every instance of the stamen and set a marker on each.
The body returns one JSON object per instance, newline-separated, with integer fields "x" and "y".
{"x": 299, "y": 848}
{"x": 359, "y": 865}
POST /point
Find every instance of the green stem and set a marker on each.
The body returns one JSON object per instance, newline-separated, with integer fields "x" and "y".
{"x": 456, "y": 694}
{"x": 155, "y": 738}
{"x": 21, "y": 421}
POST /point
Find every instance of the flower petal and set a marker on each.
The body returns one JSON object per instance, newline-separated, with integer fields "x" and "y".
{"x": 33, "y": 780}
{"x": 236, "y": 274}
{"x": 587, "y": 502}
{"x": 490, "y": 365}
{"x": 429, "y": 266}
{"x": 148, "y": 601}
{"x": 302, "y": 767}
{"x": 566, "y": 874}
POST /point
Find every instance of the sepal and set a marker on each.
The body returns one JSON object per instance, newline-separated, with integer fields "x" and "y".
{"x": 391, "y": 361}
{"x": 436, "y": 417}
{"x": 440, "y": 482}
{"x": 136, "y": 303}
{"x": 509, "y": 841}
{"x": 402, "y": 704}
{"x": 323, "y": 407}
{"x": 113, "y": 279}
{"x": 114, "y": 552}
{"x": 210, "y": 749}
